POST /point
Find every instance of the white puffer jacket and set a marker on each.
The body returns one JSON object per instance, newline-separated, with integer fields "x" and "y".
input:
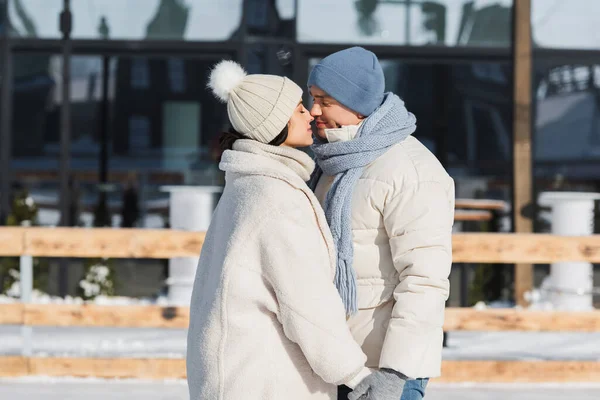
{"x": 266, "y": 320}
{"x": 402, "y": 217}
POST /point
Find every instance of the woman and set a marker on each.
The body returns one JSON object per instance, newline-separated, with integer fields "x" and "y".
{"x": 266, "y": 320}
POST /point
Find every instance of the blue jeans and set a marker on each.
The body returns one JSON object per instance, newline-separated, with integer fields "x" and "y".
{"x": 413, "y": 390}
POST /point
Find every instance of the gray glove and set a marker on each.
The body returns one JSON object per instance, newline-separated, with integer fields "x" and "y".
{"x": 384, "y": 384}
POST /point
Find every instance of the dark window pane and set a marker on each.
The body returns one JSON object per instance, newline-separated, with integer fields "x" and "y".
{"x": 270, "y": 18}
{"x": 273, "y": 59}
{"x": 158, "y": 122}
{"x": 140, "y": 75}
{"x": 166, "y": 133}
{"x": 258, "y": 14}
{"x": 35, "y": 132}
{"x": 567, "y": 121}
{"x": 139, "y": 132}
{"x": 177, "y": 75}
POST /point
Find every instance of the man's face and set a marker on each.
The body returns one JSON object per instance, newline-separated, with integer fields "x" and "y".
{"x": 329, "y": 113}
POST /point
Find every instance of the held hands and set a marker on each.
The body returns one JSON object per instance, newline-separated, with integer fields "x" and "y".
{"x": 384, "y": 384}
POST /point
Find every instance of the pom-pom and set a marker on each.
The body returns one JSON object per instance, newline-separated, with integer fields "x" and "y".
{"x": 225, "y": 77}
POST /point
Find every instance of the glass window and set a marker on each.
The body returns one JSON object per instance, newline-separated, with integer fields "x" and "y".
{"x": 566, "y": 136}
{"x": 258, "y": 14}
{"x": 36, "y": 132}
{"x": 274, "y": 59}
{"x": 156, "y": 19}
{"x": 270, "y": 18}
{"x": 164, "y": 132}
{"x": 286, "y": 8}
{"x": 3, "y": 16}
{"x": 110, "y": 19}
{"x": 463, "y": 116}
{"x": 416, "y": 22}
{"x": 34, "y": 18}
{"x": 139, "y": 132}
{"x": 567, "y": 122}
{"x": 569, "y": 24}
{"x": 140, "y": 76}
{"x": 177, "y": 75}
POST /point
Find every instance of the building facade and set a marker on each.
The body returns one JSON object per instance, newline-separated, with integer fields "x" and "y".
{"x": 111, "y": 98}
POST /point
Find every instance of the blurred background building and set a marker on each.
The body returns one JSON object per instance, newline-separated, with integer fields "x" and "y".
{"x": 137, "y": 115}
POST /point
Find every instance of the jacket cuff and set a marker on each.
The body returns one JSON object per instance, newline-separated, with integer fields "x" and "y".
{"x": 415, "y": 355}
{"x": 362, "y": 374}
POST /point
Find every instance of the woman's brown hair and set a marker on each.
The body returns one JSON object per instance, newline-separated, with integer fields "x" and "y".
{"x": 229, "y": 137}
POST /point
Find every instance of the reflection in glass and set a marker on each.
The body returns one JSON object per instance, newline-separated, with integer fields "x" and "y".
{"x": 463, "y": 116}
{"x": 34, "y": 18}
{"x": 140, "y": 73}
{"x": 151, "y": 19}
{"x": 156, "y": 19}
{"x": 286, "y": 9}
{"x": 569, "y": 24}
{"x": 158, "y": 133}
{"x": 416, "y": 22}
{"x": 567, "y": 123}
{"x": 35, "y": 132}
{"x": 161, "y": 130}
{"x": 270, "y": 18}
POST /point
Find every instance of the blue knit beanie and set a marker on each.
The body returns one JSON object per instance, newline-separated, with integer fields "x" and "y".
{"x": 353, "y": 77}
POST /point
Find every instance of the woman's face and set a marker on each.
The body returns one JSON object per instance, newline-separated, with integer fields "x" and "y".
{"x": 299, "y": 130}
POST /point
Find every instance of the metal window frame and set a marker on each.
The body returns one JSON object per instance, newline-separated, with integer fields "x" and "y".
{"x": 5, "y": 118}
{"x": 126, "y": 47}
{"x": 429, "y": 54}
{"x": 546, "y": 56}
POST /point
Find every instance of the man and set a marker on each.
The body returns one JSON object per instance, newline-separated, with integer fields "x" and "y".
{"x": 390, "y": 205}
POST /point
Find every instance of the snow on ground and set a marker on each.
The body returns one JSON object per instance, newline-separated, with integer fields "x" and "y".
{"x": 96, "y": 342}
{"x": 123, "y": 342}
{"x": 91, "y": 389}
{"x": 140, "y": 342}
{"x": 522, "y": 346}
{"x": 512, "y": 392}
{"x": 128, "y": 342}
{"x": 34, "y": 388}
{"x": 38, "y": 297}
{"x": 171, "y": 343}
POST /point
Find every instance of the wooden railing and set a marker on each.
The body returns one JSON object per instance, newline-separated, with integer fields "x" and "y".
{"x": 132, "y": 243}
{"x": 507, "y": 248}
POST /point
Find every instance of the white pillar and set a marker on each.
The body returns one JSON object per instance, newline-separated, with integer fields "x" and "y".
{"x": 571, "y": 283}
{"x": 26, "y": 279}
{"x": 190, "y": 209}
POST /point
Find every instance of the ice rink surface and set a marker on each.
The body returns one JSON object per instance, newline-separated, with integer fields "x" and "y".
{"x": 121, "y": 342}
{"x": 92, "y": 389}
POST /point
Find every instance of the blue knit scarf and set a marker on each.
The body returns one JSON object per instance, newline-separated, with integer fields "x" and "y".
{"x": 390, "y": 124}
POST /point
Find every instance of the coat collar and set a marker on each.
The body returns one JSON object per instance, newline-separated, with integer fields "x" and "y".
{"x": 250, "y": 157}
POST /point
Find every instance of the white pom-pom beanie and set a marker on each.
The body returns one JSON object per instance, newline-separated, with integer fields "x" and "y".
{"x": 259, "y": 106}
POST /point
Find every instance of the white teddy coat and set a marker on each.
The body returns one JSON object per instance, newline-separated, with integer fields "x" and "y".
{"x": 266, "y": 320}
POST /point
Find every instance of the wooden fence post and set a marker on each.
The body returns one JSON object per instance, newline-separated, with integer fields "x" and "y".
{"x": 522, "y": 165}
